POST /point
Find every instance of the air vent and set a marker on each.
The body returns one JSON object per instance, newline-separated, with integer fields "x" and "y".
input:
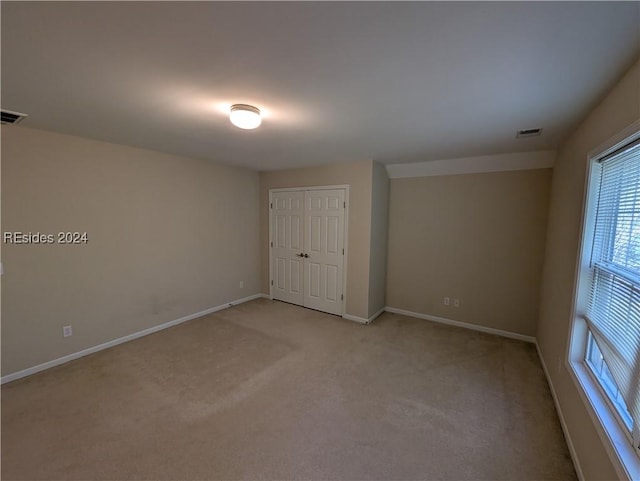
{"x": 9, "y": 117}
{"x": 528, "y": 133}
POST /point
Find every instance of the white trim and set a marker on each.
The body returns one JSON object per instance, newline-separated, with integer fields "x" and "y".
{"x": 377, "y": 314}
{"x": 466, "y": 325}
{"x": 345, "y": 245}
{"x": 629, "y": 134}
{"x": 543, "y": 159}
{"x": 91, "y": 350}
{"x": 362, "y": 320}
{"x": 345, "y": 239}
{"x": 313, "y": 187}
{"x": 563, "y": 424}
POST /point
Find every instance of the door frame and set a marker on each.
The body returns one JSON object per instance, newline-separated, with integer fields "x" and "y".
{"x": 346, "y": 234}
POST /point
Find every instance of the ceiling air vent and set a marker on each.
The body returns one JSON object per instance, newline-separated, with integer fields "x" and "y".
{"x": 9, "y": 117}
{"x": 528, "y": 133}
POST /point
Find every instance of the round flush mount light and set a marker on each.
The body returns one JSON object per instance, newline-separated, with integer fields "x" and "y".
{"x": 245, "y": 116}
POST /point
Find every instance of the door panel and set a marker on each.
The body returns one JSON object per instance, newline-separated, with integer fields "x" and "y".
{"x": 332, "y": 283}
{"x": 296, "y": 233}
{"x": 287, "y": 241}
{"x": 323, "y": 241}
{"x": 314, "y": 279}
{"x": 332, "y": 235}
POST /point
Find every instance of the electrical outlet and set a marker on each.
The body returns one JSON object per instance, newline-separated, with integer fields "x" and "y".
{"x": 241, "y": 284}
{"x": 446, "y": 301}
{"x": 456, "y": 303}
{"x": 67, "y": 331}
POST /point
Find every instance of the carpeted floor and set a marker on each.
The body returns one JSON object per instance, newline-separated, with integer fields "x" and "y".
{"x": 267, "y": 390}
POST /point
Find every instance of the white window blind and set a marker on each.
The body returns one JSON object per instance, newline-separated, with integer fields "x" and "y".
{"x": 613, "y": 313}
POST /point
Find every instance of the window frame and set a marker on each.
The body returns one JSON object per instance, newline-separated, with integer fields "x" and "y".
{"x": 626, "y": 424}
{"x": 618, "y": 441}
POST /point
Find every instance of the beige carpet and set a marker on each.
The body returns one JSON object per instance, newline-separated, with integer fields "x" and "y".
{"x": 267, "y": 390}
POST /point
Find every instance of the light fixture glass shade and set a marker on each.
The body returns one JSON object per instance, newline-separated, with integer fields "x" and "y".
{"x": 245, "y": 116}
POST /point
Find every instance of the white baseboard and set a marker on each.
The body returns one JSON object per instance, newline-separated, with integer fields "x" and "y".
{"x": 466, "y": 325}
{"x": 377, "y": 314}
{"x": 563, "y": 424}
{"x": 115, "y": 342}
{"x": 362, "y": 320}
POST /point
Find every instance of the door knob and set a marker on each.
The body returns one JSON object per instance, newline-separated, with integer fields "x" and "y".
{"x": 307, "y": 256}
{"x": 300, "y": 255}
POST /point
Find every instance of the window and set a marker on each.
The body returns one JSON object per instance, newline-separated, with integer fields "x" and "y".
{"x": 595, "y": 360}
{"x": 612, "y": 315}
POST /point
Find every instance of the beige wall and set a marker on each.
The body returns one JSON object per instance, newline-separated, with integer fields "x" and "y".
{"x": 476, "y": 237}
{"x": 358, "y": 176}
{"x": 617, "y": 111}
{"x": 379, "y": 229}
{"x": 168, "y": 237}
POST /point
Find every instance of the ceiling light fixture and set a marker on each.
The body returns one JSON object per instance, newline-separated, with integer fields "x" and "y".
{"x": 245, "y": 116}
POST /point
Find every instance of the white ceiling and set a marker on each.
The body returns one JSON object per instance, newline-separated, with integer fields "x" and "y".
{"x": 393, "y": 82}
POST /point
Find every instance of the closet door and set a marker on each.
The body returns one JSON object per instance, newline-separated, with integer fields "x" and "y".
{"x": 323, "y": 249}
{"x": 307, "y": 248}
{"x": 287, "y": 250}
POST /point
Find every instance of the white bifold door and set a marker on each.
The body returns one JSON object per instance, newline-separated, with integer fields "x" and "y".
{"x": 307, "y": 244}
